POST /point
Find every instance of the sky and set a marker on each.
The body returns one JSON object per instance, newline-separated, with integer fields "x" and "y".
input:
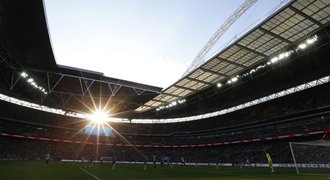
{"x": 145, "y": 41}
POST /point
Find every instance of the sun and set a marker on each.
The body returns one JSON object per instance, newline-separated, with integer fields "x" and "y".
{"x": 98, "y": 117}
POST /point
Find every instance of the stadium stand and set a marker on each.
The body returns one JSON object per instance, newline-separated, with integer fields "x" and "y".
{"x": 28, "y": 133}
{"x": 262, "y": 121}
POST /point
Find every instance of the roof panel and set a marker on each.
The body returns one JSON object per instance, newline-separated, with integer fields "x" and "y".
{"x": 178, "y": 91}
{"x": 235, "y": 70}
{"x": 159, "y": 97}
{"x": 168, "y": 98}
{"x": 218, "y": 67}
{"x": 149, "y": 103}
{"x": 238, "y": 55}
{"x": 184, "y": 93}
{"x": 229, "y": 52}
{"x": 170, "y": 90}
{"x": 204, "y": 76}
{"x": 198, "y": 86}
{"x": 196, "y": 74}
{"x": 246, "y": 58}
{"x": 211, "y": 64}
{"x": 259, "y": 42}
{"x": 142, "y": 108}
{"x": 253, "y": 61}
{"x": 276, "y": 48}
{"x": 278, "y": 19}
{"x": 300, "y": 30}
{"x": 323, "y": 14}
{"x": 157, "y": 103}
{"x": 292, "y": 21}
{"x": 218, "y": 79}
{"x": 152, "y": 103}
{"x": 190, "y": 84}
{"x": 268, "y": 45}
{"x": 287, "y": 26}
{"x": 228, "y": 68}
{"x": 211, "y": 78}
{"x": 182, "y": 82}
{"x": 250, "y": 38}
{"x": 301, "y": 4}
{"x": 314, "y": 8}
{"x": 324, "y": 21}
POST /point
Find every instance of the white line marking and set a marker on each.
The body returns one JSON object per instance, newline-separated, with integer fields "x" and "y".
{"x": 90, "y": 174}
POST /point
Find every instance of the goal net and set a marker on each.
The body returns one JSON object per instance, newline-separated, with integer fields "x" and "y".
{"x": 311, "y": 158}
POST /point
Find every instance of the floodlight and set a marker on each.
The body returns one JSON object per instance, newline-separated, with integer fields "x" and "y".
{"x": 182, "y": 101}
{"x": 302, "y": 46}
{"x": 234, "y": 79}
{"x": 311, "y": 40}
{"x": 30, "y": 80}
{"x": 274, "y": 60}
{"x": 219, "y": 85}
{"x": 24, "y": 75}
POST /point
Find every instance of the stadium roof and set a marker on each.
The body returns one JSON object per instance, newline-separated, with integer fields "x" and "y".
{"x": 288, "y": 25}
{"x": 28, "y": 69}
{"x": 23, "y": 51}
{"x": 24, "y": 33}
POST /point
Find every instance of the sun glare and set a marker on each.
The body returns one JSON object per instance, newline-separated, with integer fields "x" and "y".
{"x": 98, "y": 117}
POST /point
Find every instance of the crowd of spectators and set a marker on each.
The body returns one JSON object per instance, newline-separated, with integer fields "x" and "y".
{"x": 298, "y": 113}
{"x": 24, "y": 149}
{"x": 263, "y": 131}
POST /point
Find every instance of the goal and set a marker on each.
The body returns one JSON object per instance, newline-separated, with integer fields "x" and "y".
{"x": 106, "y": 159}
{"x": 312, "y": 157}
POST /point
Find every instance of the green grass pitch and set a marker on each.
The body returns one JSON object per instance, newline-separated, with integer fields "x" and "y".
{"x": 25, "y": 170}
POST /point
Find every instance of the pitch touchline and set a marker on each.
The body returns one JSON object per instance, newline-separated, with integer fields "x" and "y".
{"x": 90, "y": 174}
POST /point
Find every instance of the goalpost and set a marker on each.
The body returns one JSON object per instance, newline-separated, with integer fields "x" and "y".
{"x": 312, "y": 157}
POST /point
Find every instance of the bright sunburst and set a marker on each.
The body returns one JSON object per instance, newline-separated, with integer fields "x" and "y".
{"x": 98, "y": 117}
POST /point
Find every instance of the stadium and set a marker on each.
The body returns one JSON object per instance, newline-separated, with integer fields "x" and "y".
{"x": 257, "y": 109}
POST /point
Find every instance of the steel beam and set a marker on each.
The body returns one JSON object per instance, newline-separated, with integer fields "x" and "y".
{"x": 13, "y": 82}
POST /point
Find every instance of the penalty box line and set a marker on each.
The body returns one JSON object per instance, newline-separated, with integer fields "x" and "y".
{"x": 89, "y": 173}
